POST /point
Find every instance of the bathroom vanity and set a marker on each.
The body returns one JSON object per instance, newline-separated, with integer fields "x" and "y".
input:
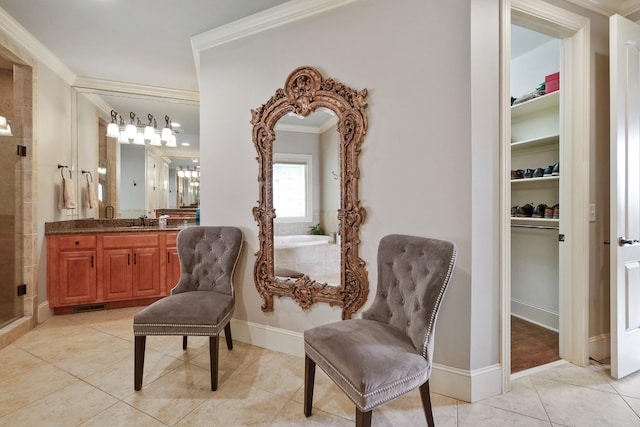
{"x": 95, "y": 264}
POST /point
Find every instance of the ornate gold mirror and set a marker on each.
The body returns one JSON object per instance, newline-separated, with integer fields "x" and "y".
{"x": 307, "y": 94}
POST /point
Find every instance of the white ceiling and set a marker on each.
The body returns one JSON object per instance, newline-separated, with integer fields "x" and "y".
{"x": 137, "y": 41}
{"x": 524, "y": 40}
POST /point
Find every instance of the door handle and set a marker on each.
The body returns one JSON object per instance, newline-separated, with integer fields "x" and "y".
{"x": 622, "y": 241}
{"x": 134, "y": 259}
{"x": 128, "y": 259}
{"x": 168, "y": 257}
{"x": 91, "y": 261}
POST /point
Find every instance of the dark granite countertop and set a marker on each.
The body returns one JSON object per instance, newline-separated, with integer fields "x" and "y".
{"x": 91, "y": 226}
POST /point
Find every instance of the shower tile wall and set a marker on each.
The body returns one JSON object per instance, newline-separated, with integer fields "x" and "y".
{"x": 7, "y": 207}
{"x": 18, "y": 213}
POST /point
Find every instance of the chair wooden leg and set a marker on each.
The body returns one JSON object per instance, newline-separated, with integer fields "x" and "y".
{"x": 184, "y": 342}
{"x": 213, "y": 357}
{"x": 426, "y": 403}
{"x": 227, "y": 335}
{"x": 309, "y": 378}
{"x": 363, "y": 419}
{"x": 138, "y": 361}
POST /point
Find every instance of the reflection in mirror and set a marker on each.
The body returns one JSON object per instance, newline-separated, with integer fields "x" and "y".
{"x": 308, "y": 193}
{"x": 141, "y": 178}
{"x": 306, "y": 196}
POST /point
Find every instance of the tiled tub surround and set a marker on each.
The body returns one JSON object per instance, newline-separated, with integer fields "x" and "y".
{"x": 320, "y": 262}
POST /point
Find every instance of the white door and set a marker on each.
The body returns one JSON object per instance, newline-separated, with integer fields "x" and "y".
{"x": 625, "y": 196}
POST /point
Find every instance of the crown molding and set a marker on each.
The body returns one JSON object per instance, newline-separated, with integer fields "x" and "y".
{"x": 135, "y": 89}
{"x": 16, "y": 32}
{"x": 609, "y": 7}
{"x": 277, "y": 16}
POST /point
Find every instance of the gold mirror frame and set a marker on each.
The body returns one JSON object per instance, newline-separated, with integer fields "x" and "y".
{"x": 305, "y": 90}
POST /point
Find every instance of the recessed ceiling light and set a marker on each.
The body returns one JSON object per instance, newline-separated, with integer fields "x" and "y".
{"x": 185, "y": 144}
{"x": 195, "y": 160}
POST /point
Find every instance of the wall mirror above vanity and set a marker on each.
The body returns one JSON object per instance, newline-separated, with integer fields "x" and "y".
{"x": 135, "y": 178}
{"x": 308, "y": 137}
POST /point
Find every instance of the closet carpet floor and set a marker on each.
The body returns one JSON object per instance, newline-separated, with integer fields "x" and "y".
{"x": 531, "y": 345}
{"x": 77, "y": 370}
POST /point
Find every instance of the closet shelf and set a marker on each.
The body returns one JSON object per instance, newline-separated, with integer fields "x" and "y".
{"x": 542, "y": 142}
{"x": 537, "y": 181}
{"x": 534, "y": 221}
{"x": 544, "y": 102}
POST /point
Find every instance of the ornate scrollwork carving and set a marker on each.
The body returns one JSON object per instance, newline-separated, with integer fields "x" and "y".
{"x": 305, "y": 90}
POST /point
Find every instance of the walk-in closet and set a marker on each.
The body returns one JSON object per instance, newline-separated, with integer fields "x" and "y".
{"x": 536, "y": 192}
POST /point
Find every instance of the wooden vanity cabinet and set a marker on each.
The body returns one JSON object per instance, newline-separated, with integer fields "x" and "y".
{"x": 173, "y": 262}
{"x": 72, "y": 277}
{"x": 114, "y": 269}
{"x": 131, "y": 266}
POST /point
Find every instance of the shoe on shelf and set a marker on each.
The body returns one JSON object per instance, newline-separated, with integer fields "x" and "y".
{"x": 517, "y": 174}
{"x": 556, "y": 211}
{"x": 524, "y": 211}
{"x": 556, "y": 170}
{"x": 539, "y": 211}
{"x": 548, "y": 212}
{"x": 538, "y": 173}
{"x": 548, "y": 171}
{"x": 528, "y": 173}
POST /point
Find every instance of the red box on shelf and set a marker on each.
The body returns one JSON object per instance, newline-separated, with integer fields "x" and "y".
{"x": 552, "y": 82}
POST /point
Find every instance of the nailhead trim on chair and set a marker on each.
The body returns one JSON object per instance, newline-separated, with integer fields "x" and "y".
{"x": 356, "y": 391}
{"x": 438, "y": 301}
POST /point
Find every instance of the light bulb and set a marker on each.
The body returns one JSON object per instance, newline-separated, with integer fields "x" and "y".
{"x": 113, "y": 131}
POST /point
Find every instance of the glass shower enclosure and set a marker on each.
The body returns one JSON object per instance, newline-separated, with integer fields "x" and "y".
{"x": 11, "y": 206}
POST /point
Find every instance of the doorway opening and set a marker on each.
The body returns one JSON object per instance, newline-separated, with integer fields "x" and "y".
{"x": 536, "y": 149}
{"x": 566, "y": 242}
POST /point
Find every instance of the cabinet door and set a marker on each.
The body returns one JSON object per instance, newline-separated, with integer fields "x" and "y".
{"x": 173, "y": 268}
{"x": 146, "y": 272}
{"x": 77, "y": 284}
{"x": 118, "y": 266}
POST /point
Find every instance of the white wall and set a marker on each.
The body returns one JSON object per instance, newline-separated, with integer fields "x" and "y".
{"x": 86, "y": 151}
{"x": 417, "y": 175}
{"x": 133, "y": 180}
{"x": 52, "y": 141}
{"x": 530, "y": 69}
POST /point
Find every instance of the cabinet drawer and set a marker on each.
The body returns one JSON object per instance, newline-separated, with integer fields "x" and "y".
{"x": 76, "y": 242}
{"x": 171, "y": 239}
{"x": 131, "y": 240}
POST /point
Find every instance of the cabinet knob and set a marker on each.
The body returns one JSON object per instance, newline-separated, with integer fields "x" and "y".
{"x": 77, "y": 243}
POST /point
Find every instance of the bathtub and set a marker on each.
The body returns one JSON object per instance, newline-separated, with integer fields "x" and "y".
{"x": 300, "y": 240}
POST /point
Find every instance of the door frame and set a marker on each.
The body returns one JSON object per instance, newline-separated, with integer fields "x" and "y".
{"x": 574, "y": 32}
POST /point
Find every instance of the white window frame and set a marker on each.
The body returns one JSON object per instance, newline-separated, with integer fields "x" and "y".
{"x": 307, "y": 160}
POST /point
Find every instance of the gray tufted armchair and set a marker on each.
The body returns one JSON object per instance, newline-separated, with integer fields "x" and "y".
{"x": 389, "y": 351}
{"x": 202, "y": 301}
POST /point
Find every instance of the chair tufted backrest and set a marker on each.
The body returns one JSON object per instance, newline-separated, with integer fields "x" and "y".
{"x": 208, "y": 257}
{"x": 413, "y": 274}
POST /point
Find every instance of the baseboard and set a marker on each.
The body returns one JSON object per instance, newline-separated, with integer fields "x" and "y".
{"x": 600, "y": 347}
{"x": 44, "y": 312}
{"x": 266, "y": 336}
{"x": 469, "y": 386}
{"x": 457, "y": 383}
{"x": 537, "y": 315}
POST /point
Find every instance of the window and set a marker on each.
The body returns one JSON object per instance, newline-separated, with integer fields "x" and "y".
{"x": 292, "y": 187}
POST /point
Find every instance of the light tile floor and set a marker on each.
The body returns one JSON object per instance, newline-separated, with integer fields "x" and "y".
{"x": 77, "y": 370}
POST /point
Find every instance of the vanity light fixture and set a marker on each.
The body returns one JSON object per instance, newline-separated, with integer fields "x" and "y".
{"x": 138, "y": 133}
{"x": 5, "y": 127}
